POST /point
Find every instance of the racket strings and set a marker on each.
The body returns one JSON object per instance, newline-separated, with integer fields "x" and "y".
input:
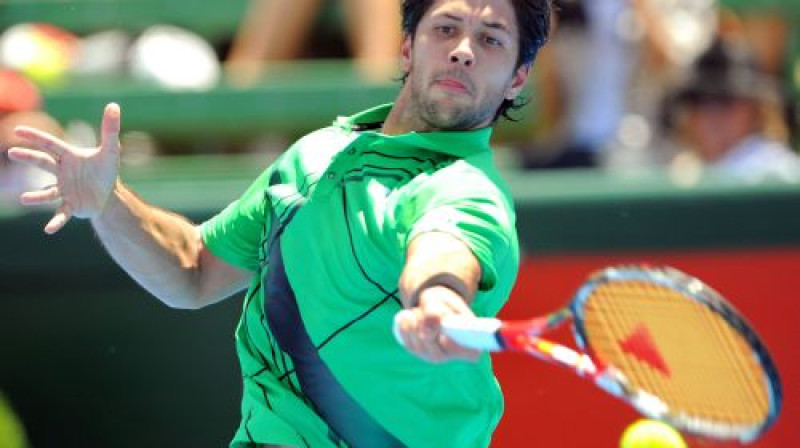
{"x": 746, "y": 394}
{"x": 677, "y": 349}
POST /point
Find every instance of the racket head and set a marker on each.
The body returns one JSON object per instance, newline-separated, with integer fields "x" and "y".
{"x": 677, "y": 351}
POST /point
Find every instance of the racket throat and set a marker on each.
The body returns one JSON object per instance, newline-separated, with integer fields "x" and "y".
{"x": 555, "y": 353}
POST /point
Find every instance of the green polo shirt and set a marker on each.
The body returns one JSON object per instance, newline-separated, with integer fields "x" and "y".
{"x": 345, "y": 202}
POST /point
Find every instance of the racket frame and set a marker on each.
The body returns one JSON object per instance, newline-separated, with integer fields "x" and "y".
{"x": 615, "y": 383}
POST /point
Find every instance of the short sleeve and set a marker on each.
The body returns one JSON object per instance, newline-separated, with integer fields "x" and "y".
{"x": 473, "y": 210}
{"x": 235, "y": 233}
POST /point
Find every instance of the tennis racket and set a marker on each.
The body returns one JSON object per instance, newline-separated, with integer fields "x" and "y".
{"x": 660, "y": 340}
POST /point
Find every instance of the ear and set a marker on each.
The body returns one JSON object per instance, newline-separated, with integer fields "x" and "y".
{"x": 518, "y": 81}
{"x": 405, "y": 53}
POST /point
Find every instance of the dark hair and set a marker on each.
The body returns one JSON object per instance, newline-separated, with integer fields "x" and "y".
{"x": 533, "y": 22}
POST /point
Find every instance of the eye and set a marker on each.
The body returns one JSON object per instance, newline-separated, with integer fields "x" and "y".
{"x": 493, "y": 42}
{"x": 445, "y": 30}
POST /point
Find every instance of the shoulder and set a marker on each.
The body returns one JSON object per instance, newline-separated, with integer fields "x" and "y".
{"x": 460, "y": 192}
{"x": 327, "y": 139}
{"x": 760, "y": 157}
{"x": 473, "y": 178}
{"x": 759, "y": 147}
{"x": 312, "y": 152}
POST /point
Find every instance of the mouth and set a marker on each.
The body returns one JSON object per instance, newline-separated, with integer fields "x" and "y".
{"x": 452, "y": 84}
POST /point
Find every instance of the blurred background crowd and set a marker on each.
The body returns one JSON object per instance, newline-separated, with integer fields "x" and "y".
{"x": 690, "y": 86}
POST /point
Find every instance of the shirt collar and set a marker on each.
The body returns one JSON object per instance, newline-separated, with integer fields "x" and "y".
{"x": 454, "y": 143}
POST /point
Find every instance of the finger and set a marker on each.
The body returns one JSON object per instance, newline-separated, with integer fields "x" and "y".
{"x": 421, "y": 341}
{"x": 414, "y": 341}
{"x": 434, "y": 324}
{"x": 41, "y": 140}
{"x": 401, "y": 325}
{"x": 457, "y": 351}
{"x": 44, "y": 196}
{"x": 32, "y": 157}
{"x": 432, "y": 351}
{"x": 436, "y": 303}
{"x": 63, "y": 214}
{"x": 109, "y": 134}
{"x": 406, "y": 327}
{"x": 437, "y": 346}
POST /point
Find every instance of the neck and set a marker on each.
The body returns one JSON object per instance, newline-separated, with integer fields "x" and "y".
{"x": 402, "y": 119}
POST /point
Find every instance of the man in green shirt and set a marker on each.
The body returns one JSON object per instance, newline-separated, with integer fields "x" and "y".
{"x": 395, "y": 208}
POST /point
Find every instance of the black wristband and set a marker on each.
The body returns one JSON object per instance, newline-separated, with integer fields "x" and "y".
{"x": 446, "y": 279}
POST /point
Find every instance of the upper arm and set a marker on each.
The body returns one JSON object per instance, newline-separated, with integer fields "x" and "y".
{"x": 236, "y": 233}
{"x": 230, "y": 243}
{"x": 218, "y": 278}
{"x": 228, "y": 252}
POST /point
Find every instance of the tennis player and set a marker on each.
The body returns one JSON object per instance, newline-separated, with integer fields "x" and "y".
{"x": 395, "y": 207}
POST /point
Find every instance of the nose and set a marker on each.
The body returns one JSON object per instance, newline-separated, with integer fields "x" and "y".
{"x": 463, "y": 54}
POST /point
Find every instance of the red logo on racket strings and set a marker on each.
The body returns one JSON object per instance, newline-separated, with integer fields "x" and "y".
{"x": 641, "y": 346}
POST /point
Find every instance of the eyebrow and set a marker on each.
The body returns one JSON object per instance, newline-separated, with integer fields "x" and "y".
{"x": 497, "y": 26}
{"x": 493, "y": 25}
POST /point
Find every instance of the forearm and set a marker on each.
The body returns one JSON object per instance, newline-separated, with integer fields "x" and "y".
{"x": 272, "y": 30}
{"x": 162, "y": 251}
{"x": 436, "y": 261}
{"x": 656, "y": 37}
{"x": 158, "y": 249}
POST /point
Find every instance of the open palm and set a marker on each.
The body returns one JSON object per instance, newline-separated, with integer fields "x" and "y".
{"x": 85, "y": 177}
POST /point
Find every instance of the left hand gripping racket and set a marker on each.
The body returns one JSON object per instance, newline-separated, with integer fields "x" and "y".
{"x": 658, "y": 339}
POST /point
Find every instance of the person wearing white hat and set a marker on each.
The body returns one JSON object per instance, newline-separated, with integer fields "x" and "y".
{"x": 727, "y": 115}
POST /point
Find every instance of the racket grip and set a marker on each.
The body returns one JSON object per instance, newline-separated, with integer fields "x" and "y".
{"x": 479, "y": 333}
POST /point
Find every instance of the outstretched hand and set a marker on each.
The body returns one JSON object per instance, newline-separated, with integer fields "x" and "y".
{"x": 419, "y": 329}
{"x": 85, "y": 177}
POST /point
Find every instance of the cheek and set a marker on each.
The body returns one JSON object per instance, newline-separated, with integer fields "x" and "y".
{"x": 415, "y": 64}
{"x": 420, "y": 51}
{"x": 742, "y": 117}
{"x": 497, "y": 84}
{"x": 702, "y": 118}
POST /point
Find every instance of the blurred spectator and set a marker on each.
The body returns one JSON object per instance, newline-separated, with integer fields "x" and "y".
{"x": 606, "y": 69}
{"x": 19, "y": 105}
{"x": 727, "y": 115}
{"x": 769, "y": 27}
{"x": 274, "y": 30}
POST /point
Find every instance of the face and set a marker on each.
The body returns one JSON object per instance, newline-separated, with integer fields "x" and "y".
{"x": 714, "y": 127}
{"x": 461, "y": 64}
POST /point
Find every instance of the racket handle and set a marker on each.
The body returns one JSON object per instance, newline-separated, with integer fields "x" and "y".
{"x": 479, "y": 333}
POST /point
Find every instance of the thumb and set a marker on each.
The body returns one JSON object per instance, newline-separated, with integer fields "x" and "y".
{"x": 111, "y": 125}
